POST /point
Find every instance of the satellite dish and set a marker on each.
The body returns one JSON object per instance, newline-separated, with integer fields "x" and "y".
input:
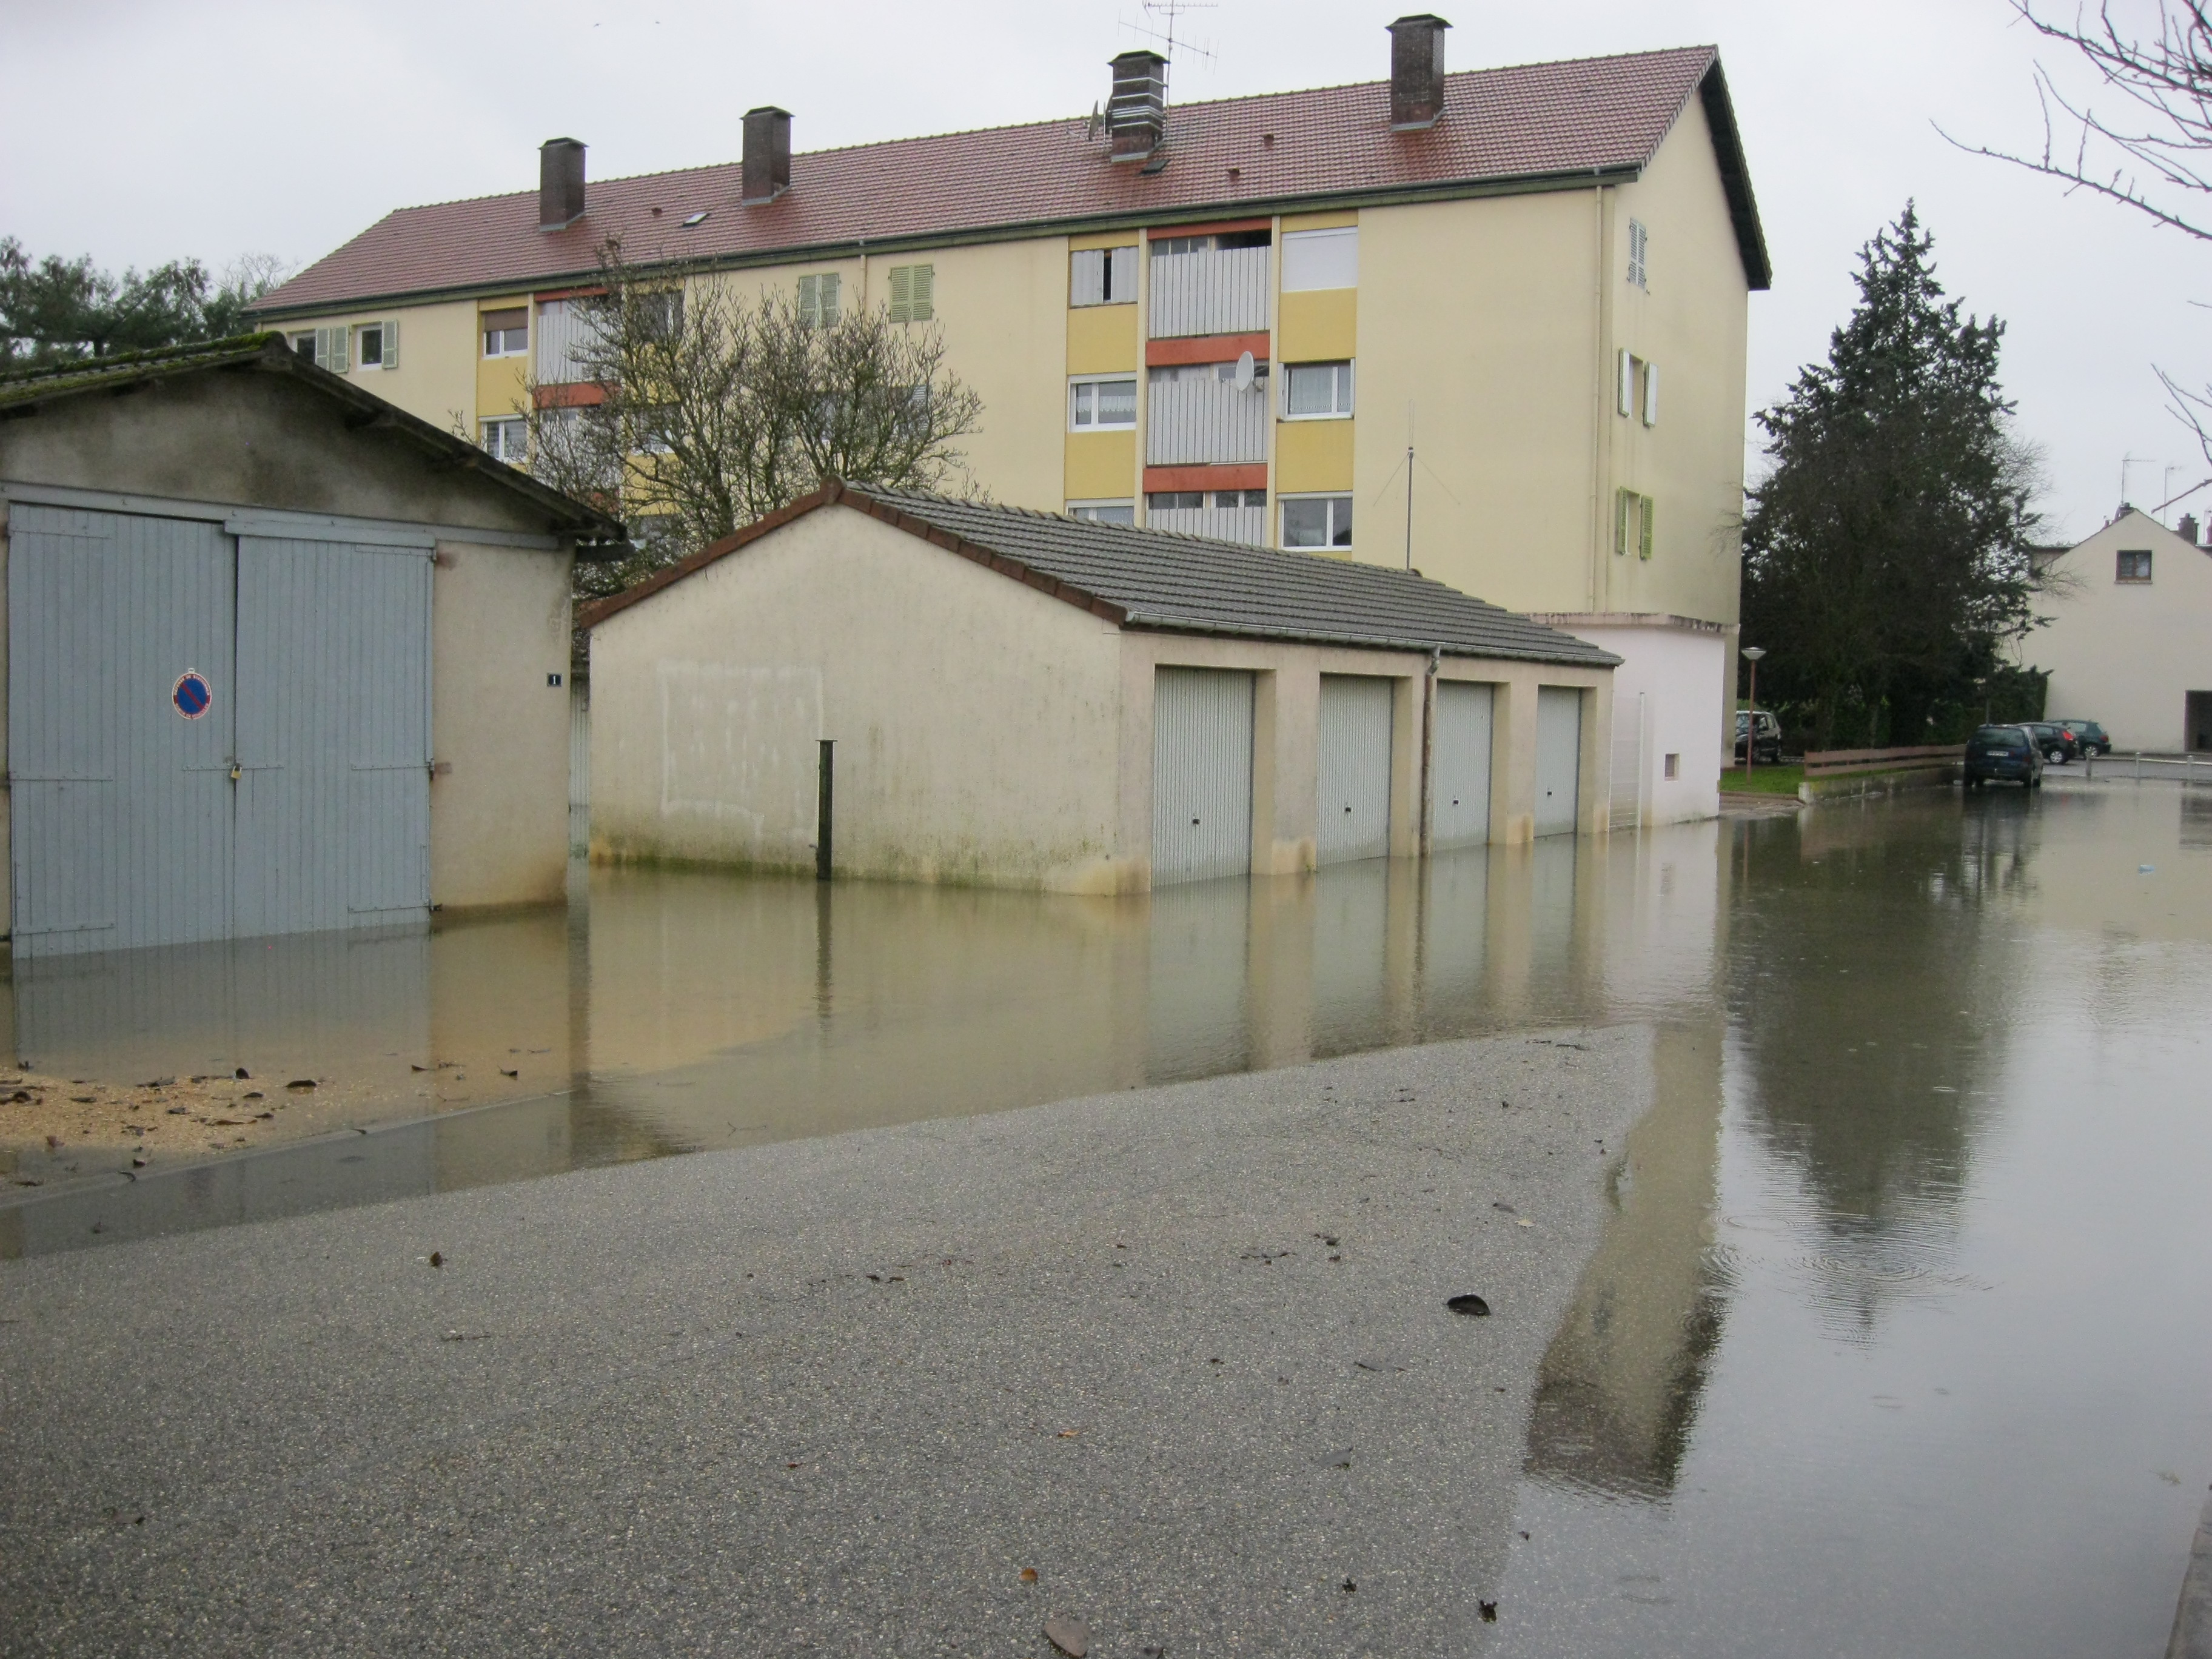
{"x": 1244, "y": 373}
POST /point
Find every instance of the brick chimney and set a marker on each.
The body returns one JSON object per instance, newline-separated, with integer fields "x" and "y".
{"x": 560, "y": 182}
{"x": 2187, "y": 528}
{"x": 768, "y": 154}
{"x": 1417, "y": 71}
{"x": 1137, "y": 113}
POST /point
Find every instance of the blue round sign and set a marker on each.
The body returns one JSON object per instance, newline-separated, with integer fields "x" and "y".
{"x": 191, "y": 695}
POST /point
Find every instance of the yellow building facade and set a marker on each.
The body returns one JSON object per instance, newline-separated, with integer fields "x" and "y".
{"x": 1525, "y": 379}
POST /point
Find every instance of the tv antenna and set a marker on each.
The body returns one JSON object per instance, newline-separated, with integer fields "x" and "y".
{"x": 1171, "y": 13}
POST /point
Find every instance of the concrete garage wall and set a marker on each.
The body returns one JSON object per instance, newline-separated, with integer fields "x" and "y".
{"x": 1681, "y": 666}
{"x": 260, "y": 439}
{"x": 499, "y": 817}
{"x": 975, "y": 719}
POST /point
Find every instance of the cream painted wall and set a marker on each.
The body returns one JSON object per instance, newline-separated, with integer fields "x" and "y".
{"x": 2126, "y": 654}
{"x": 436, "y": 378}
{"x": 1679, "y": 669}
{"x": 974, "y": 718}
{"x": 1691, "y": 319}
{"x": 499, "y": 818}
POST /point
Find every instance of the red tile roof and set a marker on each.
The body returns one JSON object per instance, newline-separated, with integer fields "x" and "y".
{"x": 1501, "y": 127}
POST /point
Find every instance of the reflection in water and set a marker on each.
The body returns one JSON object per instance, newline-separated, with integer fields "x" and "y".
{"x": 692, "y": 1010}
{"x": 1618, "y": 1387}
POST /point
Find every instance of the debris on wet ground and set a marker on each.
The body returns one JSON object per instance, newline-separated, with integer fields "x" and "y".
{"x": 1473, "y": 1306}
{"x": 1488, "y": 1610}
{"x": 1069, "y": 1637}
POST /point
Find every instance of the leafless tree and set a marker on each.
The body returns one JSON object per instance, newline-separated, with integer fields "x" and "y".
{"x": 691, "y": 411}
{"x": 2150, "y": 146}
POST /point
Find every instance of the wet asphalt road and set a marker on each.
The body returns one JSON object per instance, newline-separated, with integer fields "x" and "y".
{"x": 835, "y": 1395}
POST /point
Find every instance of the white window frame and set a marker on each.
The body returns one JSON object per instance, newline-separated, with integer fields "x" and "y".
{"x": 1331, "y": 255}
{"x": 1343, "y": 384}
{"x": 1330, "y": 544}
{"x": 362, "y": 331}
{"x": 1112, "y": 272}
{"x": 508, "y": 426}
{"x": 1095, "y": 511}
{"x": 1076, "y": 400}
{"x": 484, "y": 334}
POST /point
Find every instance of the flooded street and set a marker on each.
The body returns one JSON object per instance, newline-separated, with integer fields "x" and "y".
{"x": 1895, "y": 1337}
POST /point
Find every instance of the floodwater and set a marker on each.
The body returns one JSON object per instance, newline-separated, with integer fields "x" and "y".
{"x": 1899, "y": 1340}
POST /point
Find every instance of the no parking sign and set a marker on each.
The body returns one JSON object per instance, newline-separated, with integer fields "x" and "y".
{"x": 191, "y": 695}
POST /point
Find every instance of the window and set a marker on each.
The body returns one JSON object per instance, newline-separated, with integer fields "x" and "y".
{"x": 1103, "y": 512}
{"x": 1639, "y": 387}
{"x": 379, "y": 345}
{"x": 1673, "y": 766}
{"x": 1315, "y": 521}
{"x": 914, "y": 293}
{"x": 505, "y": 439}
{"x": 817, "y": 299}
{"x": 2135, "y": 565}
{"x": 1103, "y": 277}
{"x": 1240, "y": 498}
{"x": 1170, "y": 501}
{"x": 303, "y": 344}
{"x": 661, "y": 312}
{"x": 1317, "y": 391}
{"x": 1226, "y": 239}
{"x": 1167, "y": 374}
{"x": 506, "y": 333}
{"x": 1321, "y": 258}
{"x": 1102, "y": 405}
{"x": 1639, "y": 250}
{"x": 1632, "y": 517}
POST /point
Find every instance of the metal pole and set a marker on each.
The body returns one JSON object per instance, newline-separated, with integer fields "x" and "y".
{"x": 823, "y": 789}
{"x": 1751, "y": 725}
{"x": 2138, "y": 766}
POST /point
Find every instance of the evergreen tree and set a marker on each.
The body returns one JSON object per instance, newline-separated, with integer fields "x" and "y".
{"x": 55, "y": 310}
{"x": 1886, "y": 552}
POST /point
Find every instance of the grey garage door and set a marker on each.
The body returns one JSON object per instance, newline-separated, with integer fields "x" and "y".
{"x": 1355, "y": 768}
{"x": 1202, "y": 774}
{"x": 1459, "y": 813}
{"x": 1558, "y": 758}
{"x": 211, "y": 736}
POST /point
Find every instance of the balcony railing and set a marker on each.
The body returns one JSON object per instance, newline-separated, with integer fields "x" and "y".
{"x": 564, "y": 332}
{"x": 1197, "y": 422}
{"x": 1248, "y": 524}
{"x": 1221, "y": 290}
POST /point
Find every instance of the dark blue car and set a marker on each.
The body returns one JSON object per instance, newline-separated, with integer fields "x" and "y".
{"x": 2008, "y": 752}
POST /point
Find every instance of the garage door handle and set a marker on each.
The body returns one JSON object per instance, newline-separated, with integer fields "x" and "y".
{"x": 1193, "y": 822}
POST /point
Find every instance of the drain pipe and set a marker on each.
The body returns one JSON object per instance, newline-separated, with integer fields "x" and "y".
{"x": 1428, "y": 751}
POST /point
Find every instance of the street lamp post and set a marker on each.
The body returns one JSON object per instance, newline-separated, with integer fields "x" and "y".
{"x": 1751, "y": 653}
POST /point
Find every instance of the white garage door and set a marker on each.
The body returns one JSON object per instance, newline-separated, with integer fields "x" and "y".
{"x": 1460, "y": 809}
{"x": 1202, "y": 774}
{"x": 1355, "y": 768}
{"x": 1558, "y": 758}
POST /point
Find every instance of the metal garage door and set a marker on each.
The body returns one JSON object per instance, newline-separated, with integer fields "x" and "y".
{"x": 212, "y": 736}
{"x": 1355, "y": 768}
{"x": 1459, "y": 781}
{"x": 1558, "y": 758}
{"x": 1202, "y": 774}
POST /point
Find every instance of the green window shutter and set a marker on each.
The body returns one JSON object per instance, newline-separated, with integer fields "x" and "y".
{"x": 810, "y": 299}
{"x": 924, "y": 296}
{"x": 830, "y": 285}
{"x": 901, "y": 294}
{"x": 1621, "y": 498}
{"x": 391, "y": 343}
{"x": 341, "y": 357}
{"x": 1644, "y": 541}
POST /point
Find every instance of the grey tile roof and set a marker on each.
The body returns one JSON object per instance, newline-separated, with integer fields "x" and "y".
{"x": 1156, "y": 580}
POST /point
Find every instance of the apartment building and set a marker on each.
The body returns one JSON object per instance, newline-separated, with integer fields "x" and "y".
{"x": 1489, "y": 324}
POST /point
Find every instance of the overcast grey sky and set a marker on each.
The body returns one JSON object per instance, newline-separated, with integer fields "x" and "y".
{"x": 142, "y": 131}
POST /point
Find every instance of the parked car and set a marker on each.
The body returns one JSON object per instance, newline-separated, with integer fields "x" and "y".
{"x": 1770, "y": 735}
{"x": 2057, "y": 743}
{"x": 2012, "y": 753}
{"x": 2091, "y": 736}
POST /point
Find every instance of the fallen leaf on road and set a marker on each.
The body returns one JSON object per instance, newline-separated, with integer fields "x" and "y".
{"x": 1028, "y": 1575}
{"x": 1070, "y": 1638}
{"x": 437, "y": 1259}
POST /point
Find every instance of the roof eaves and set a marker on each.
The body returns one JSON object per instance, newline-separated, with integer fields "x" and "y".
{"x": 1735, "y": 177}
{"x": 1591, "y": 657}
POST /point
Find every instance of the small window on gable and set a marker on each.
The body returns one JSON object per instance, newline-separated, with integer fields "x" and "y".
{"x": 914, "y": 294}
{"x": 818, "y": 300}
{"x": 1103, "y": 277}
{"x": 2134, "y": 565}
{"x": 1639, "y": 253}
